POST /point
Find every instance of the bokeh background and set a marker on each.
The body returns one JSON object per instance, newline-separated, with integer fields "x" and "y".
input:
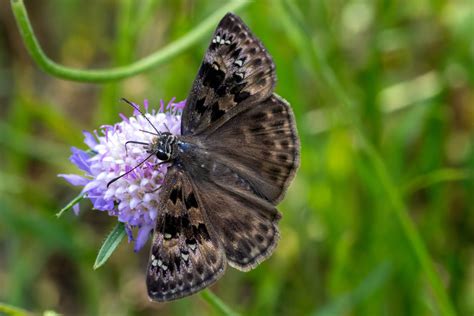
{"x": 384, "y": 100}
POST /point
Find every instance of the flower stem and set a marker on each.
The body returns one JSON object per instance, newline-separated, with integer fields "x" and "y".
{"x": 217, "y": 303}
{"x": 111, "y": 74}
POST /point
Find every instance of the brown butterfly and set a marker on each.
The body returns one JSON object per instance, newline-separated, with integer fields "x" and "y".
{"x": 237, "y": 153}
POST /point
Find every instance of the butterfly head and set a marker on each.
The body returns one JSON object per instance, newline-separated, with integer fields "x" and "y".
{"x": 163, "y": 146}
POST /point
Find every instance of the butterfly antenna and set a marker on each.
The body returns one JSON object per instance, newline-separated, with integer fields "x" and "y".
{"x": 169, "y": 131}
{"x": 143, "y": 114}
{"x": 122, "y": 175}
{"x": 154, "y": 190}
{"x": 148, "y": 132}
{"x": 133, "y": 142}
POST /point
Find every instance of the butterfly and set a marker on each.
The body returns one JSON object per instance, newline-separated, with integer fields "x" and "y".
{"x": 237, "y": 153}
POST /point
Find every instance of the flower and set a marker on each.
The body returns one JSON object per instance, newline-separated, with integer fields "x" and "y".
{"x": 133, "y": 198}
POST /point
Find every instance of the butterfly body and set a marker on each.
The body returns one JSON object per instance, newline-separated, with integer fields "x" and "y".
{"x": 163, "y": 147}
{"x": 236, "y": 155}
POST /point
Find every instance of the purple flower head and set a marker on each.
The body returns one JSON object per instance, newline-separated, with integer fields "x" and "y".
{"x": 133, "y": 199}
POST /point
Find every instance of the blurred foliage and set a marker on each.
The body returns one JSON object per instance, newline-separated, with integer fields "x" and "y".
{"x": 405, "y": 67}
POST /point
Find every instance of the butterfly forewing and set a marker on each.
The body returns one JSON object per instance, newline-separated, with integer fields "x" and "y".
{"x": 186, "y": 254}
{"x": 261, "y": 143}
{"x": 236, "y": 70}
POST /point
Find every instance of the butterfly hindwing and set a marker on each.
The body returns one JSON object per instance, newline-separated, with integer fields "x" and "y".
{"x": 186, "y": 256}
{"x": 245, "y": 224}
{"x": 236, "y": 70}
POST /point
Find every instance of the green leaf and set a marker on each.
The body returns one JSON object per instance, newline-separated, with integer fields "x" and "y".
{"x": 109, "y": 245}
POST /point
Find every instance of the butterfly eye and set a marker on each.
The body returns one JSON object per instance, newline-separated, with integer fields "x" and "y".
{"x": 162, "y": 155}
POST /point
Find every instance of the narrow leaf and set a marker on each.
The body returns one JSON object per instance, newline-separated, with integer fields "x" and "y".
{"x": 76, "y": 200}
{"x": 10, "y": 310}
{"x": 109, "y": 245}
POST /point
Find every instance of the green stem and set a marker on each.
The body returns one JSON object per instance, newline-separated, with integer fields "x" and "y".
{"x": 111, "y": 74}
{"x": 217, "y": 303}
{"x": 391, "y": 191}
{"x": 76, "y": 200}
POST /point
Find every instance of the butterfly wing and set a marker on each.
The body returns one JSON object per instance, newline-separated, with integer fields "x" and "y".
{"x": 236, "y": 70}
{"x": 244, "y": 146}
{"x": 245, "y": 224}
{"x": 242, "y": 170}
{"x": 261, "y": 144}
{"x": 186, "y": 255}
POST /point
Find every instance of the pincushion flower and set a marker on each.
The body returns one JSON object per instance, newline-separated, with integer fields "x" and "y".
{"x": 133, "y": 199}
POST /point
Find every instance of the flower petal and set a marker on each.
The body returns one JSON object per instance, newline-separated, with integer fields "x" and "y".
{"x": 128, "y": 230}
{"x": 142, "y": 237}
{"x": 89, "y": 139}
{"x": 74, "y": 179}
{"x": 81, "y": 159}
{"x": 76, "y": 209}
{"x": 128, "y": 199}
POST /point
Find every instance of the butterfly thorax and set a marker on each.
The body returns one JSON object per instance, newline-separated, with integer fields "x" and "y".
{"x": 163, "y": 147}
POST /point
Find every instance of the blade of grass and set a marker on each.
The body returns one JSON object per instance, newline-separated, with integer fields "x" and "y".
{"x": 9, "y": 310}
{"x": 217, "y": 303}
{"x": 343, "y": 304}
{"x": 292, "y": 15}
{"x": 435, "y": 177}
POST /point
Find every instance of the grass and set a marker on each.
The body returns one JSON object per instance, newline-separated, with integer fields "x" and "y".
{"x": 379, "y": 218}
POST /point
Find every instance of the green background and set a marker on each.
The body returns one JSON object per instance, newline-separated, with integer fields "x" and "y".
{"x": 379, "y": 219}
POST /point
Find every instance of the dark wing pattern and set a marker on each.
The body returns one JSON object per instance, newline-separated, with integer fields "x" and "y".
{"x": 236, "y": 70}
{"x": 186, "y": 255}
{"x": 242, "y": 170}
{"x": 245, "y": 224}
{"x": 262, "y": 145}
{"x": 237, "y": 154}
